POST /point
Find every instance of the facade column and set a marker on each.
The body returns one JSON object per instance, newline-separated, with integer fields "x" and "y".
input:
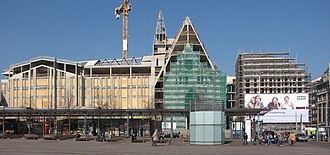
{"x": 50, "y": 89}
{"x": 127, "y": 125}
{"x": 171, "y": 125}
{"x": 29, "y": 89}
{"x": 21, "y": 90}
{"x": 83, "y": 88}
{"x": 76, "y": 97}
{"x": 91, "y": 89}
{"x": 152, "y": 84}
{"x": 35, "y": 89}
{"x": 11, "y": 92}
{"x": 85, "y": 127}
{"x": 55, "y": 84}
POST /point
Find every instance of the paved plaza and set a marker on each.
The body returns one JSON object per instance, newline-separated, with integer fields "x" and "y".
{"x": 49, "y": 147}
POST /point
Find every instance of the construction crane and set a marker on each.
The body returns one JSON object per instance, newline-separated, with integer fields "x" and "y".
{"x": 124, "y": 8}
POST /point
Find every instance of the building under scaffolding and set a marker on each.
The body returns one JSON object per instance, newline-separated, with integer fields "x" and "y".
{"x": 49, "y": 83}
{"x": 269, "y": 73}
{"x": 188, "y": 81}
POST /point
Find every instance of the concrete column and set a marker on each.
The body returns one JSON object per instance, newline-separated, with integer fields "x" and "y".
{"x": 58, "y": 81}
{"x": 121, "y": 95}
{"x": 106, "y": 85}
{"x": 29, "y": 89}
{"x": 110, "y": 88}
{"x": 83, "y": 88}
{"x": 76, "y": 86}
{"x": 248, "y": 128}
{"x": 55, "y": 93}
{"x": 50, "y": 89}
{"x": 171, "y": 125}
{"x": 34, "y": 88}
{"x": 47, "y": 89}
{"x": 55, "y": 84}
{"x": 67, "y": 96}
{"x": 111, "y": 92}
{"x": 127, "y": 125}
{"x": 21, "y": 91}
{"x": 152, "y": 83}
{"x": 11, "y": 92}
{"x": 130, "y": 89}
{"x": 132, "y": 122}
{"x": 91, "y": 89}
{"x": 136, "y": 89}
{"x": 85, "y": 126}
{"x": 7, "y": 95}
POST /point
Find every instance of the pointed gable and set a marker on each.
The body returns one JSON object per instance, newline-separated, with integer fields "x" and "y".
{"x": 188, "y": 35}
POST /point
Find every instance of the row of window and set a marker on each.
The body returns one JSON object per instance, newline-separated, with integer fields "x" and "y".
{"x": 73, "y": 87}
{"x": 275, "y": 84}
{"x": 274, "y": 90}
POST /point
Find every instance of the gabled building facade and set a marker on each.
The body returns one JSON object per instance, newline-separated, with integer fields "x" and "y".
{"x": 139, "y": 83}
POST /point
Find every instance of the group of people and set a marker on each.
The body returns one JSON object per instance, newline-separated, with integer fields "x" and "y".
{"x": 157, "y": 137}
{"x": 270, "y": 138}
{"x": 256, "y": 103}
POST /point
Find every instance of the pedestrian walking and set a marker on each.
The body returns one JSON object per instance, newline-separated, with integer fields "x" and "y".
{"x": 292, "y": 137}
{"x": 254, "y": 141}
{"x": 269, "y": 136}
{"x": 155, "y": 138}
{"x": 280, "y": 139}
{"x": 245, "y": 139}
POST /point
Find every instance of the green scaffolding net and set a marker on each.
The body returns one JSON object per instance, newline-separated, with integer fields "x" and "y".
{"x": 191, "y": 81}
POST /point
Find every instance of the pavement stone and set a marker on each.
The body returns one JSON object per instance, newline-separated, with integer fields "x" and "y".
{"x": 176, "y": 147}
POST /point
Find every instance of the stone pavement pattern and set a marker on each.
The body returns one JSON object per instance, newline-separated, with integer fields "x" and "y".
{"x": 49, "y": 147}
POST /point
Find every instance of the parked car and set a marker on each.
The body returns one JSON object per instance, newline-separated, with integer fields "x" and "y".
{"x": 301, "y": 137}
{"x": 321, "y": 136}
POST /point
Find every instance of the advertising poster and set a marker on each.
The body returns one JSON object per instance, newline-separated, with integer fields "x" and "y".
{"x": 284, "y": 108}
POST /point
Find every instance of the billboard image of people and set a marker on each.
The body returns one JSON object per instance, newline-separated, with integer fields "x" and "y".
{"x": 283, "y": 108}
{"x": 255, "y": 103}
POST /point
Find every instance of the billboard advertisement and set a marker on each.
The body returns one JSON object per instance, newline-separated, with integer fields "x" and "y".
{"x": 284, "y": 108}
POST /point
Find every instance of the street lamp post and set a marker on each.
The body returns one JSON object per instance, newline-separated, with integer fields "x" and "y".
{"x": 259, "y": 91}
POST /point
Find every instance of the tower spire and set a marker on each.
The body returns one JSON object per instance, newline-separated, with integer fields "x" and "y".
{"x": 160, "y": 34}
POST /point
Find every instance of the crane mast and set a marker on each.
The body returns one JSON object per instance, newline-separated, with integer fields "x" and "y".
{"x": 124, "y": 9}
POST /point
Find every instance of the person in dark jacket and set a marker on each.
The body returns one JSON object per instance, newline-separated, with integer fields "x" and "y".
{"x": 245, "y": 139}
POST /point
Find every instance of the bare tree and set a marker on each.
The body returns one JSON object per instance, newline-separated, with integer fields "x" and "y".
{"x": 68, "y": 100}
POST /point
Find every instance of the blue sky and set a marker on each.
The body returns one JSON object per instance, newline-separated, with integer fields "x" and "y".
{"x": 87, "y": 29}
